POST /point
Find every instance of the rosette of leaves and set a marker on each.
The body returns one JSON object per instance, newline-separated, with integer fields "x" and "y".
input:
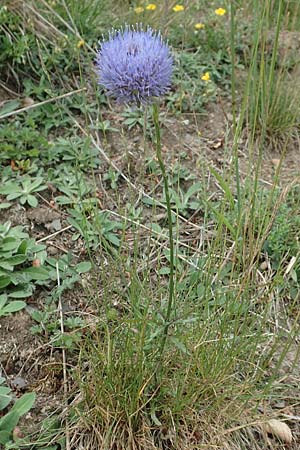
{"x": 18, "y": 274}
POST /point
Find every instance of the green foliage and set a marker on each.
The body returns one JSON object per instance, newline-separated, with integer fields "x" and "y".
{"x": 97, "y": 229}
{"x": 74, "y": 151}
{"x": 14, "y": 44}
{"x": 133, "y": 117}
{"x": 11, "y": 307}
{"x": 193, "y": 93}
{"x": 24, "y": 190}
{"x": 69, "y": 274}
{"x": 20, "y": 141}
{"x": 48, "y": 320}
{"x": 10, "y": 419}
{"x": 17, "y": 251}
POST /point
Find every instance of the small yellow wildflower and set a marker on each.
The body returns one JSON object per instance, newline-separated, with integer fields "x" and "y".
{"x": 151, "y": 7}
{"x": 199, "y": 26}
{"x": 206, "y": 76}
{"x": 220, "y": 11}
{"x": 139, "y": 10}
{"x": 178, "y": 8}
{"x": 80, "y": 43}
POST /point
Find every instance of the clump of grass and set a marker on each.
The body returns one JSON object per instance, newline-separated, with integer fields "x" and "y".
{"x": 274, "y": 103}
{"x": 216, "y": 366}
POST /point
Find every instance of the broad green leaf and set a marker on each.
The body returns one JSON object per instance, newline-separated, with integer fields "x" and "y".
{"x": 4, "y": 390}
{"x": 23, "y": 247}
{"x": 4, "y": 281}
{"x": 16, "y": 259}
{"x": 3, "y": 300}
{"x": 4, "y": 437}
{"x": 5, "y": 265}
{"x": 9, "y": 243}
{"x": 37, "y": 273}
{"x": 113, "y": 239}
{"x": 164, "y": 271}
{"x": 12, "y": 307}
{"x": 13, "y": 195}
{"x": 196, "y": 187}
{"x": 5, "y": 399}
{"x": 4, "y": 205}
{"x": 24, "y": 404}
{"x": 21, "y": 293}
{"x": 32, "y": 201}
{"x": 9, "y": 421}
{"x": 10, "y": 106}
{"x": 83, "y": 267}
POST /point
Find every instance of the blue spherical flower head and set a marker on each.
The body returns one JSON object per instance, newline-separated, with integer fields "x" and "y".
{"x": 135, "y": 65}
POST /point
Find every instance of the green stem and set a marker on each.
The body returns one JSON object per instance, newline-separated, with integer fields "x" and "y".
{"x": 232, "y": 54}
{"x": 170, "y": 227}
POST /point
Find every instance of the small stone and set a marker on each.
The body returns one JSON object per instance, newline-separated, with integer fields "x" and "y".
{"x": 264, "y": 265}
{"x": 55, "y": 225}
{"x": 52, "y": 251}
{"x": 19, "y": 383}
{"x": 27, "y": 101}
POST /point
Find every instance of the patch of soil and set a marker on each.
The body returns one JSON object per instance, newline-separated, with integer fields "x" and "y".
{"x": 30, "y": 366}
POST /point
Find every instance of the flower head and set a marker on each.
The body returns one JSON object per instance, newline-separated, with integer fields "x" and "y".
{"x": 151, "y": 7}
{"x": 80, "y": 43}
{"x": 220, "y": 11}
{"x": 178, "y": 8}
{"x": 138, "y": 9}
{"x": 199, "y": 26}
{"x": 205, "y": 76}
{"x": 135, "y": 65}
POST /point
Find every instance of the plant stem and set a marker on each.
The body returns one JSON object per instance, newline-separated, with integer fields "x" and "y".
{"x": 170, "y": 226}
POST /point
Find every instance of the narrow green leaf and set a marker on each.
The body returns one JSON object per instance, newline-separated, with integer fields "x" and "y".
{"x": 225, "y": 186}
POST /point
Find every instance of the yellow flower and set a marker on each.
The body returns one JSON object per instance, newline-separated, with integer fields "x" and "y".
{"x": 206, "y": 76}
{"x": 220, "y": 11}
{"x": 199, "y": 26}
{"x": 138, "y": 10}
{"x": 80, "y": 43}
{"x": 178, "y": 8}
{"x": 151, "y": 7}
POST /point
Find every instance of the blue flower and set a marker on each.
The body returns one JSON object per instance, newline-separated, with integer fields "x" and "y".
{"x": 135, "y": 65}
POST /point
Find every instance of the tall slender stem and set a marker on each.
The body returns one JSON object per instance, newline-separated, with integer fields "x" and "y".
{"x": 170, "y": 226}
